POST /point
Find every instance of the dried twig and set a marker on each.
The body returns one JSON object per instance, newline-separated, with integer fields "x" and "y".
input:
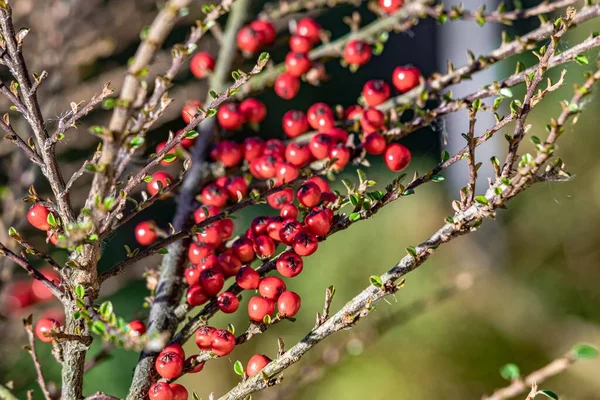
{"x": 36, "y": 362}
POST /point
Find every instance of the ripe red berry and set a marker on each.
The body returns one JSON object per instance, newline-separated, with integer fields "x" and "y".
{"x": 254, "y": 110}
{"x": 320, "y": 145}
{"x": 289, "y": 211}
{"x": 289, "y": 230}
{"x": 308, "y": 28}
{"x": 289, "y": 264}
{"x": 179, "y": 391}
{"x": 160, "y": 391}
{"x": 274, "y": 147}
{"x": 338, "y": 135}
{"x": 376, "y": 92}
{"x": 249, "y": 40}
{"x": 390, "y": 6}
{"x": 320, "y": 117}
{"x": 328, "y": 198}
{"x": 309, "y": 194}
{"x": 204, "y": 337}
{"x": 259, "y": 225}
{"x": 169, "y": 365}
{"x": 406, "y": 78}
{"x": 300, "y": 44}
{"x": 318, "y": 222}
{"x": 192, "y": 275}
{"x": 193, "y": 365}
{"x": 286, "y": 173}
{"x": 230, "y": 116}
{"x": 353, "y": 112}
{"x": 195, "y": 296}
{"x": 229, "y": 263}
{"x": 38, "y": 216}
{"x": 159, "y": 180}
{"x": 199, "y": 251}
{"x": 374, "y": 143}
{"x": 259, "y": 307}
{"x": 247, "y": 278}
{"x": 372, "y": 120}
{"x": 266, "y": 29}
{"x": 287, "y": 86}
{"x": 136, "y": 327}
{"x": 228, "y": 302}
{"x": 294, "y": 123}
{"x": 288, "y": 304}
{"x": 264, "y": 246}
{"x": 212, "y": 236}
{"x": 211, "y": 281}
{"x": 214, "y": 195}
{"x": 305, "y": 244}
{"x": 174, "y": 348}
{"x": 173, "y": 152}
{"x": 271, "y": 287}
{"x": 281, "y": 198}
{"x": 39, "y": 291}
{"x": 223, "y": 343}
{"x": 341, "y": 154}
{"x": 297, "y": 154}
{"x": 256, "y": 363}
{"x": 357, "y": 52}
{"x": 211, "y": 261}
{"x": 297, "y": 63}
{"x": 229, "y": 153}
{"x": 145, "y": 233}
{"x": 202, "y": 213}
{"x": 253, "y": 148}
{"x": 52, "y": 237}
{"x": 243, "y": 248}
{"x": 322, "y": 183}
{"x": 202, "y": 64}
{"x": 190, "y": 109}
{"x": 43, "y": 327}
{"x": 397, "y": 157}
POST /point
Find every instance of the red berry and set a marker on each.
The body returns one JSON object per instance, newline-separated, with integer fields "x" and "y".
{"x": 173, "y": 151}
{"x": 320, "y": 145}
{"x": 318, "y": 222}
{"x": 374, "y": 143}
{"x": 259, "y": 307}
{"x": 249, "y": 39}
{"x": 264, "y": 246}
{"x": 230, "y": 153}
{"x": 341, "y": 154}
{"x": 199, "y": 251}
{"x": 243, "y": 248}
{"x": 159, "y": 180}
{"x": 267, "y": 165}
{"x": 328, "y": 198}
{"x": 194, "y": 366}
{"x": 372, "y": 120}
{"x": 297, "y": 154}
{"x": 223, "y": 343}
{"x": 259, "y": 225}
{"x": 266, "y": 29}
{"x": 204, "y": 212}
{"x": 397, "y": 157}
{"x": 353, "y": 112}
{"x": 286, "y": 173}
{"x": 214, "y": 195}
{"x": 179, "y": 391}
{"x": 305, "y": 244}
{"x": 406, "y": 78}
{"x": 390, "y": 6}
{"x": 38, "y": 216}
{"x": 211, "y": 281}
{"x": 271, "y": 287}
{"x": 274, "y": 227}
{"x": 145, "y": 233}
{"x": 253, "y": 148}
{"x": 294, "y": 123}
{"x": 204, "y": 337}
{"x": 309, "y": 194}
{"x": 320, "y": 117}
{"x": 357, "y": 52}
{"x": 189, "y": 111}
{"x": 192, "y": 275}
{"x": 289, "y": 230}
{"x": 195, "y": 296}
{"x": 160, "y": 391}
{"x": 281, "y": 198}
{"x": 136, "y": 327}
{"x": 169, "y": 365}
{"x": 174, "y": 348}
{"x": 39, "y": 291}
{"x": 230, "y": 116}
{"x": 247, "y": 278}
{"x": 202, "y": 64}
{"x": 254, "y": 110}
{"x": 211, "y": 261}
{"x": 274, "y": 147}
{"x": 300, "y": 44}
{"x": 308, "y": 28}
{"x": 376, "y": 92}
{"x": 338, "y": 135}
{"x": 322, "y": 183}
{"x": 256, "y": 363}
{"x": 287, "y": 86}
{"x": 297, "y": 63}
{"x": 289, "y": 211}
{"x": 43, "y": 327}
{"x": 228, "y": 302}
{"x": 289, "y": 264}
{"x": 229, "y": 263}
{"x": 288, "y": 304}
{"x": 52, "y": 237}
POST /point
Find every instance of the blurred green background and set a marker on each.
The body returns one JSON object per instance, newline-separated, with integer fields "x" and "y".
{"x": 526, "y": 304}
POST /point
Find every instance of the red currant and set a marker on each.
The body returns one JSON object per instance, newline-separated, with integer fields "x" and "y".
{"x": 305, "y": 244}
{"x": 228, "y": 302}
{"x": 247, "y": 278}
{"x": 287, "y": 86}
{"x": 294, "y": 123}
{"x": 202, "y": 64}
{"x": 259, "y": 307}
{"x": 297, "y": 63}
{"x": 406, "y": 78}
{"x": 376, "y": 92}
{"x": 38, "y": 216}
{"x": 256, "y": 363}
{"x": 288, "y": 304}
{"x": 271, "y": 287}
{"x": 223, "y": 343}
{"x": 357, "y": 52}
{"x": 230, "y": 116}
{"x": 397, "y": 157}
{"x": 254, "y": 110}
{"x": 289, "y": 264}
{"x": 195, "y": 296}
{"x": 145, "y": 233}
{"x": 160, "y": 391}
{"x": 169, "y": 365}
{"x": 211, "y": 281}
{"x": 159, "y": 180}
{"x": 204, "y": 337}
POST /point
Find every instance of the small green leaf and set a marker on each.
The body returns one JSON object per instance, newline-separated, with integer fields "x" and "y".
{"x": 238, "y": 368}
{"x": 510, "y": 372}
{"x": 231, "y": 328}
{"x": 412, "y": 251}
{"x": 93, "y": 237}
{"x": 445, "y": 156}
{"x": 437, "y": 178}
{"x": 169, "y": 158}
{"x": 354, "y": 199}
{"x": 212, "y": 94}
{"x": 12, "y": 232}
{"x": 264, "y": 57}
{"x": 136, "y": 141}
{"x": 267, "y": 319}
{"x": 211, "y": 112}
{"x": 584, "y": 351}
{"x": 549, "y": 393}
{"x": 354, "y": 217}
{"x": 481, "y": 199}
{"x": 106, "y": 309}
{"x": 583, "y": 60}
{"x": 506, "y": 92}
{"x": 99, "y": 328}
{"x": 376, "y": 281}
{"x": 191, "y": 134}
{"x": 80, "y": 291}
{"x": 163, "y": 251}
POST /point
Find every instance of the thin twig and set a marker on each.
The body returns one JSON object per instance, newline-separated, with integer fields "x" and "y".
{"x": 36, "y": 362}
